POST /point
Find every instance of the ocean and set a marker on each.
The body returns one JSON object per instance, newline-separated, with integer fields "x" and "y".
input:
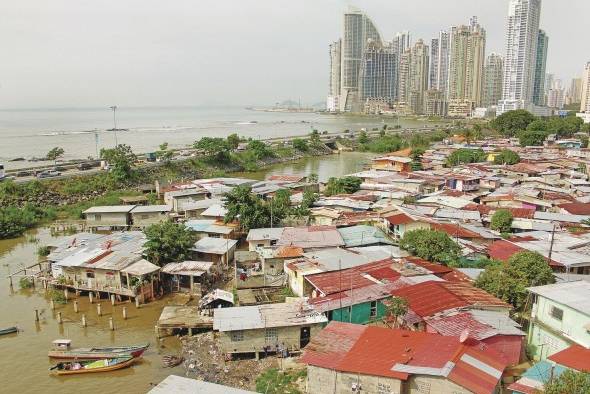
{"x": 29, "y": 133}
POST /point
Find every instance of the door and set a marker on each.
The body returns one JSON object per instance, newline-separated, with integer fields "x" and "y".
{"x": 304, "y": 336}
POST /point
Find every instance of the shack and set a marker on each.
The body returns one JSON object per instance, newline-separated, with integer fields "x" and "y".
{"x": 177, "y": 199}
{"x": 267, "y": 328}
{"x": 186, "y": 276}
{"x": 146, "y": 215}
{"x": 216, "y": 299}
{"x": 218, "y": 250}
{"x": 114, "y": 217}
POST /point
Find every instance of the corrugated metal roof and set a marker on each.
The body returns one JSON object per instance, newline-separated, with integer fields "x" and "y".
{"x": 572, "y": 294}
{"x": 575, "y": 356}
{"x": 261, "y": 234}
{"x": 214, "y": 245}
{"x": 363, "y": 235}
{"x": 141, "y": 267}
{"x": 110, "y": 209}
{"x": 311, "y": 237}
{"x": 192, "y": 268}
{"x": 180, "y": 385}
{"x": 151, "y": 208}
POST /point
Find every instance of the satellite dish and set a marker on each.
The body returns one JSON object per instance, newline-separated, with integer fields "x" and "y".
{"x": 464, "y": 335}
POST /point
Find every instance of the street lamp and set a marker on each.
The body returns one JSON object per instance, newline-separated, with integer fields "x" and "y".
{"x": 114, "y": 109}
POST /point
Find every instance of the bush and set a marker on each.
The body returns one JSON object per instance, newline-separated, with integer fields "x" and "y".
{"x": 532, "y": 138}
{"x": 502, "y": 221}
{"x": 58, "y": 296}
{"x": 431, "y": 245}
{"x": 466, "y": 156}
{"x": 346, "y": 185}
{"x": 300, "y": 144}
{"x": 25, "y": 283}
{"x": 507, "y": 156}
{"x": 43, "y": 251}
{"x": 511, "y": 122}
{"x": 274, "y": 381}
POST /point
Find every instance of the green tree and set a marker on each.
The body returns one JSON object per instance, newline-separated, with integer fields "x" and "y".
{"x": 216, "y": 148}
{"x": 300, "y": 144}
{"x": 121, "y": 159}
{"x": 466, "y": 156}
{"x": 569, "y": 381}
{"x": 345, "y": 185}
{"x": 233, "y": 141}
{"x": 309, "y": 198}
{"x": 250, "y": 210}
{"x": 164, "y": 153}
{"x": 260, "y": 150}
{"x": 396, "y": 308}
{"x": 502, "y": 221}
{"x": 54, "y": 153}
{"x": 584, "y": 140}
{"x": 532, "y": 138}
{"x": 507, "y": 156}
{"x": 416, "y": 156}
{"x": 537, "y": 125}
{"x": 314, "y": 138}
{"x": 313, "y": 178}
{"x": 509, "y": 281}
{"x": 511, "y": 122}
{"x": 363, "y": 137}
{"x": 431, "y": 245}
{"x": 168, "y": 242}
{"x": 280, "y": 206}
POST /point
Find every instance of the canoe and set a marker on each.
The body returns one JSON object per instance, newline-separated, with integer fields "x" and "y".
{"x": 96, "y": 353}
{"x": 92, "y": 366}
{"x": 8, "y": 330}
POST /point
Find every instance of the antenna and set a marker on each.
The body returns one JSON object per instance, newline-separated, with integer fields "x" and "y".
{"x": 464, "y": 335}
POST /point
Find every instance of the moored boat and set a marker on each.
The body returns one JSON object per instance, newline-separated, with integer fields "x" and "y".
{"x": 8, "y": 330}
{"x": 62, "y": 351}
{"x": 92, "y": 366}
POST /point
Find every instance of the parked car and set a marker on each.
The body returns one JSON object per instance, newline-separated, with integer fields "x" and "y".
{"x": 48, "y": 174}
{"x": 84, "y": 166}
{"x": 25, "y": 173}
{"x": 58, "y": 168}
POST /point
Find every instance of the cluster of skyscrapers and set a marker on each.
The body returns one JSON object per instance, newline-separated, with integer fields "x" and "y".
{"x": 451, "y": 75}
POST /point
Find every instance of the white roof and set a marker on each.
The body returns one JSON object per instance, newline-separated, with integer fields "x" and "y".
{"x": 151, "y": 208}
{"x": 572, "y": 294}
{"x": 110, "y": 209}
{"x": 266, "y": 316}
{"x": 179, "y": 385}
{"x": 214, "y": 245}
{"x": 261, "y": 234}
{"x": 190, "y": 268}
{"x": 216, "y": 210}
{"x": 141, "y": 267}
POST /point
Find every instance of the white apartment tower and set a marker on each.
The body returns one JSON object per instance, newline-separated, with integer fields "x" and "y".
{"x": 332, "y": 104}
{"x": 585, "y": 107}
{"x": 439, "y": 62}
{"x": 400, "y": 44}
{"x": 521, "y": 54}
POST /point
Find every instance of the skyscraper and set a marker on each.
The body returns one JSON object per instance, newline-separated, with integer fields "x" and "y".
{"x": 378, "y": 73}
{"x": 332, "y": 103}
{"x": 358, "y": 30}
{"x": 418, "y": 76}
{"x": 585, "y": 106}
{"x": 540, "y": 65}
{"x": 574, "y": 93}
{"x": 493, "y": 76}
{"x": 466, "y": 67}
{"x": 401, "y": 42}
{"x": 556, "y": 95}
{"x": 521, "y": 54}
{"x": 439, "y": 62}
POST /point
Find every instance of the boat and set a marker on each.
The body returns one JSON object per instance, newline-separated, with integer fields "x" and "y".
{"x": 8, "y": 330}
{"x": 92, "y": 366}
{"x": 62, "y": 351}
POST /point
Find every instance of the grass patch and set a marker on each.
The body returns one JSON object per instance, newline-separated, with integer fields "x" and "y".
{"x": 274, "y": 381}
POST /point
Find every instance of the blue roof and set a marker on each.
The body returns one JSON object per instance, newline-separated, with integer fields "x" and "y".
{"x": 363, "y": 235}
{"x": 540, "y": 372}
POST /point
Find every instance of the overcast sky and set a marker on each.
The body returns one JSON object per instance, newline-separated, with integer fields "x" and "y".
{"x": 81, "y": 53}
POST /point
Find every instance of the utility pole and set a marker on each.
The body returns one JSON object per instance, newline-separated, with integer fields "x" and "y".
{"x": 551, "y": 244}
{"x": 114, "y": 109}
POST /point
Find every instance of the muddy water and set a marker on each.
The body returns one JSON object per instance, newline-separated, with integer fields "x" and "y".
{"x": 23, "y": 356}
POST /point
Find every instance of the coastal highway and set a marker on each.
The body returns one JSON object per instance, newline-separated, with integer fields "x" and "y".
{"x": 70, "y": 169}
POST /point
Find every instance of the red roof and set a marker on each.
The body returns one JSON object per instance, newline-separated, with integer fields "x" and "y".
{"x": 456, "y": 276}
{"x": 286, "y": 178}
{"x": 576, "y": 208}
{"x": 337, "y": 281}
{"x": 455, "y": 324}
{"x": 526, "y": 213}
{"x": 431, "y": 297}
{"x": 575, "y": 356}
{"x": 288, "y": 252}
{"x": 502, "y": 250}
{"x": 432, "y": 267}
{"x": 400, "y": 218}
{"x": 455, "y": 230}
{"x": 398, "y": 354}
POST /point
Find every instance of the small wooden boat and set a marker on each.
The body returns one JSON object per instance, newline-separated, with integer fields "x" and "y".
{"x": 62, "y": 351}
{"x": 8, "y": 330}
{"x": 92, "y": 366}
{"x": 172, "y": 361}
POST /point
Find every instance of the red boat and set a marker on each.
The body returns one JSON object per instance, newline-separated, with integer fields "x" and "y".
{"x": 62, "y": 351}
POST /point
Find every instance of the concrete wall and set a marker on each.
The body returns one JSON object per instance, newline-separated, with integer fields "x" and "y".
{"x": 422, "y": 384}
{"x": 148, "y": 218}
{"x": 252, "y": 245}
{"x": 108, "y": 219}
{"x": 571, "y": 325}
{"x": 321, "y": 381}
{"x": 255, "y": 340}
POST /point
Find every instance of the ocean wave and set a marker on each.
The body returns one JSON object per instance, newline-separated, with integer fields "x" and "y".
{"x": 162, "y": 128}
{"x": 56, "y": 133}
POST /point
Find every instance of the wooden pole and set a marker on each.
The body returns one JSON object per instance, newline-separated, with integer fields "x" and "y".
{"x": 137, "y": 302}
{"x": 10, "y": 277}
{"x": 75, "y": 306}
{"x": 52, "y": 304}
{"x": 36, "y": 314}
{"x": 91, "y": 297}
{"x": 59, "y": 320}
{"x": 124, "y": 313}
{"x": 113, "y": 299}
{"x": 84, "y": 321}
{"x": 66, "y": 293}
{"x": 111, "y": 324}
{"x": 98, "y": 310}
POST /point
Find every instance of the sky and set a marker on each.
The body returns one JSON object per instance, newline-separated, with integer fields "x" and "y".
{"x": 86, "y": 53}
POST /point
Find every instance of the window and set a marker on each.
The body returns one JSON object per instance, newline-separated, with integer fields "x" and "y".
{"x": 237, "y": 336}
{"x": 97, "y": 217}
{"x": 373, "y": 313}
{"x": 557, "y": 313}
{"x": 271, "y": 335}
{"x": 89, "y": 274}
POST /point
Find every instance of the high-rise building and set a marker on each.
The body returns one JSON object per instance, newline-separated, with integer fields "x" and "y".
{"x": 439, "y": 62}
{"x": 418, "y": 76}
{"x": 435, "y": 103}
{"x": 556, "y": 95}
{"x": 585, "y": 99}
{"x": 574, "y": 93}
{"x": 466, "y": 67}
{"x": 400, "y": 43}
{"x": 521, "y": 54}
{"x": 493, "y": 76}
{"x": 378, "y": 74}
{"x": 403, "y": 83}
{"x": 332, "y": 103}
{"x": 358, "y": 30}
{"x": 540, "y": 65}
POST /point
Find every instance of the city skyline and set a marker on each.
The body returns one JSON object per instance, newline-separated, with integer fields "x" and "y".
{"x": 142, "y": 53}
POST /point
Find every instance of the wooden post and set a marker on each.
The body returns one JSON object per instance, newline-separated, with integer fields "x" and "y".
{"x": 59, "y": 320}
{"x": 66, "y": 293}
{"x": 91, "y": 297}
{"x": 98, "y": 310}
{"x": 33, "y": 281}
{"x": 83, "y": 320}
{"x": 45, "y": 284}
{"x": 137, "y": 302}
{"x": 52, "y": 304}
{"x": 113, "y": 299}
{"x": 111, "y": 324}
{"x": 36, "y": 314}
{"x": 75, "y": 306}
{"x": 157, "y": 329}
{"x": 124, "y": 313}
{"x": 10, "y": 277}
